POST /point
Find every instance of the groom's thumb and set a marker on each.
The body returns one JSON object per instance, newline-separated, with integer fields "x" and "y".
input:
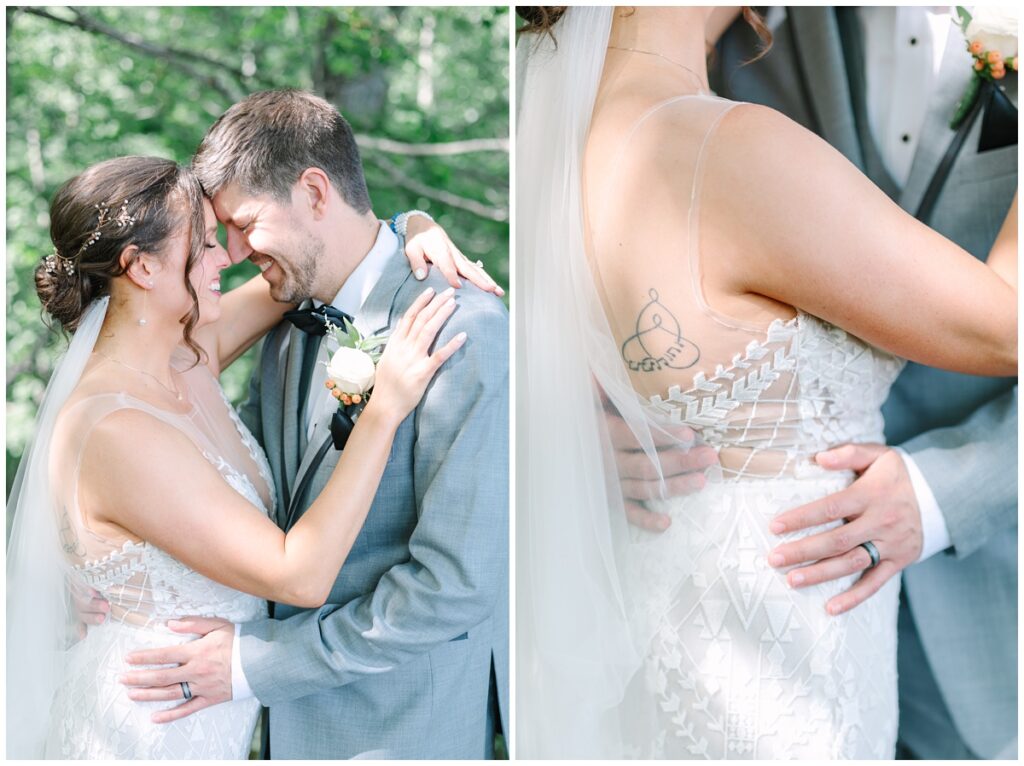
{"x": 850, "y": 457}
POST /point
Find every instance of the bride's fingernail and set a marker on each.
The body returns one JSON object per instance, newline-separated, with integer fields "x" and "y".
{"x": 449, "y": 291}
{"x": 461, "y": 337}
{"x": 776, "y": 559}
{"x": 777, "y": 527}
{"x": 796, "y": 579}
{"x": 421, "y": 274}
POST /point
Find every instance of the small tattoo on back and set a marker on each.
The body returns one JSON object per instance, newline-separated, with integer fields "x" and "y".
{"x": 69, "y": 541}
{"x": 658, "y": 341}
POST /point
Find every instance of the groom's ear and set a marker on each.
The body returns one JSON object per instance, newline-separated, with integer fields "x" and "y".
{"x": 314, "y": 189}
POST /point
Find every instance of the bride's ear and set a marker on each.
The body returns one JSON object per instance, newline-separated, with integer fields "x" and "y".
{"x": 138, "y": 266}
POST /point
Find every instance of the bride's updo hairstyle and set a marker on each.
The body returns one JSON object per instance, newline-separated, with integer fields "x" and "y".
{"x": 141, "y": 201}
{"x": 541, "y": 19}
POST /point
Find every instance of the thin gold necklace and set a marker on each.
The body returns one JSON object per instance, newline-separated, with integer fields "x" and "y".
{"x": 696, "y": 76}
{"x": 174, "y": 392}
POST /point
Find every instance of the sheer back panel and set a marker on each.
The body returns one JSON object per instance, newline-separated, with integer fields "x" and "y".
{"x": 768, "y": 387}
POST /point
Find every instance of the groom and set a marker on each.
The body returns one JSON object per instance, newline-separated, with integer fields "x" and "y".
{"x": 409, "y": 657}
{"x": 881, "y": 85}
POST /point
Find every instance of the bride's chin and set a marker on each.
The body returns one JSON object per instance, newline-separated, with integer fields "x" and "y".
{"x": 208, "y": 315}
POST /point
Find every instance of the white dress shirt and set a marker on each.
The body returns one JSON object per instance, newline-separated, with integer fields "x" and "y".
{"x": 350, "y": 299}
{"x": 903, "y": 50}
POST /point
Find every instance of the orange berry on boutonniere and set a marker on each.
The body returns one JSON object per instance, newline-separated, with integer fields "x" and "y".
{"x": 346, "y": 399}
{"x": 978, "y": 65}
{"x": 976, "y": 47}
{"x": 998, "y": 72}
{"x": 994, "y": 57}
{"x": 356, "y": 398}
{"x": 329, "y": 383}
{"x": 1013, "y": 63}
{"x": 336, "y": 393}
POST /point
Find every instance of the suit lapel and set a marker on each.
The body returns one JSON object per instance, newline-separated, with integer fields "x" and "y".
{"x": 292, "y": 432}
{"x": 954, "y": 74}
{"x": 818, "y": 50}
{"x": 374, "y": 316}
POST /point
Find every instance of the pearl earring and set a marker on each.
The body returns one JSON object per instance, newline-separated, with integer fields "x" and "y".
{"x": 145, "y": 295}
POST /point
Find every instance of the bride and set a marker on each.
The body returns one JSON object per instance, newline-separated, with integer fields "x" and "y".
{"x": 158, "y": 496}
{"x": 687, "y": 261}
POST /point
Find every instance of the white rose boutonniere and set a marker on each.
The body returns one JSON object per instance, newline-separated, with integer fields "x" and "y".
{"x": 352, "y": 366}
{"x": 991, "y": 36}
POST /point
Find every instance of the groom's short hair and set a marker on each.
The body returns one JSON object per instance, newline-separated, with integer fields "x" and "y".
{"x": 266, "y": 141}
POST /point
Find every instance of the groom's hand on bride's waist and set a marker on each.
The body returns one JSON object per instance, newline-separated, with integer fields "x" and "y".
{"x": 90, "y": 608}
{"x": 681, "y": 468}
{"x": 204, "y": 665}
{"x": 880, "y": 508}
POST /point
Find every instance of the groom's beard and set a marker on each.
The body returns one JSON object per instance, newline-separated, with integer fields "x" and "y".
{"x": 299, "y": 279}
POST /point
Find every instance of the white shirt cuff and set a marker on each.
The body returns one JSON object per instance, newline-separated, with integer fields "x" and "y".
{"x": 934, "y": 533}
{"x": 240, "y": 689}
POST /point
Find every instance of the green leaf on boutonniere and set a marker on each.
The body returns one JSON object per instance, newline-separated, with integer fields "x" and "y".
{"x": 963, "y": 108}
{"x": 374, "y": 341}
{"x": 965, "y": 18}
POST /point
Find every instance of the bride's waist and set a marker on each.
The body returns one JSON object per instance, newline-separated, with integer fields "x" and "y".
{"x": 755, "y": 462}
{"x": 156, "y": 619}
{"x": 767, "y": 494}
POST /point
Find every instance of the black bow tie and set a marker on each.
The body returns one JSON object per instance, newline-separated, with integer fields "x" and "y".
{"x": 314, "y": 321}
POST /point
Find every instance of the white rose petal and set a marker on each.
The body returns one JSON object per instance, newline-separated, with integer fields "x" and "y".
{"x": 995, "y": 27}
{"x": 351, "y": 370}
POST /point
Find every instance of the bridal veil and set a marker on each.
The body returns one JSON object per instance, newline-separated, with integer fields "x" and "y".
{"x": 40, "y": 615}
{"x": 578, "y": 645}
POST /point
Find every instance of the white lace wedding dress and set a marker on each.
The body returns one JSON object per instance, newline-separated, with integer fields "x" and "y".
{"x": 738, "y": 663}
{"x": 92, "y": 717}
{"x": 742, "y": 665}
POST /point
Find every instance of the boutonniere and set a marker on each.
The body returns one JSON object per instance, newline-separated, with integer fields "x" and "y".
{"x": 352, "y": 367}
{"x": 991, "y": 37}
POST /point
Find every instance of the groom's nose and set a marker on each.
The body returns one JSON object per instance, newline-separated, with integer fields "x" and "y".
{"x": 238, "y": 245}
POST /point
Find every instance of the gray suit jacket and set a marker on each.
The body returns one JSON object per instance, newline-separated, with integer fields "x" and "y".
{"x": 398, "y": 664}
{"x": 960, "y": 429}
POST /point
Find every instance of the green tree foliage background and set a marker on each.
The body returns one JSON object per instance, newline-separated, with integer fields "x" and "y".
{"x": 425, "y": 89}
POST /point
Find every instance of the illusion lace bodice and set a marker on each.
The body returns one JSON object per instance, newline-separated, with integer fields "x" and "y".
{"x": 806, "y": 387}
{"x": 146, "y": 586}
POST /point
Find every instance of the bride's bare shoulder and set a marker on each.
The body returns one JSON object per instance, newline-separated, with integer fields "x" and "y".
{"x": 758, "y": 141}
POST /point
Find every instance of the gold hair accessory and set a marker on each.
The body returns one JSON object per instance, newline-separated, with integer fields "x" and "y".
{"x": 122, "y": 221}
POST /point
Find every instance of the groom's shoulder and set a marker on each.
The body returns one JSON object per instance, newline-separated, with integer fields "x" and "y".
{"x": 470, "y": 300}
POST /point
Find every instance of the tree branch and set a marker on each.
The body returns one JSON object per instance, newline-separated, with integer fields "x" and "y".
{"x": 171, "y": 55}
{"x": 433, "y": 150}
{"x": 96, "y": 25}
{"x": 445, "y": 197}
